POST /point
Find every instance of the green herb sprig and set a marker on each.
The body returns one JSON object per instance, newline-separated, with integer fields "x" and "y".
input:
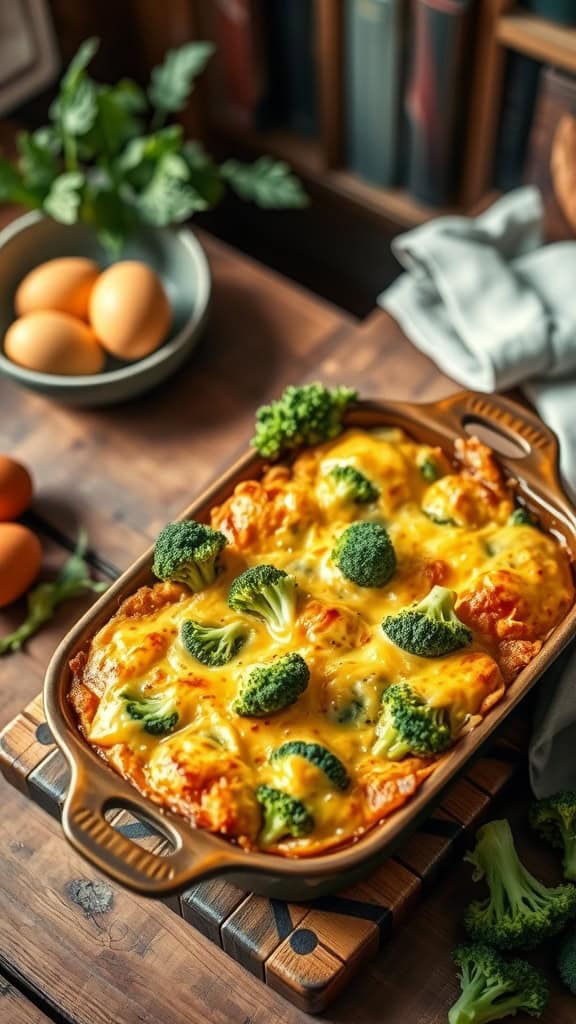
{"x": 109, "y": 159}
{"x": 72, "y": 581}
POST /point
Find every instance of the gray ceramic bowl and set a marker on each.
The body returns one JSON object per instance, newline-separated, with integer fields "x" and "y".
{"x": 174, "y": 254}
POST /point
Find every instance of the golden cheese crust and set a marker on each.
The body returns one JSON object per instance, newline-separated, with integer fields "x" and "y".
{"x": 514, "y": 585}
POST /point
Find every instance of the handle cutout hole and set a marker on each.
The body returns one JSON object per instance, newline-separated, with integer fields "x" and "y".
{"x": 498, "y": 439}
{"x": 139, "y": 830}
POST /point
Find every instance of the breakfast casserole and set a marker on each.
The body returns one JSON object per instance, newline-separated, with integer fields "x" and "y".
{"x": 308, "y": 657}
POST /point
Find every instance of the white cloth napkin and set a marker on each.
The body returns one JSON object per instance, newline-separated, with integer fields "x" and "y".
{"x": 494, "y": 308}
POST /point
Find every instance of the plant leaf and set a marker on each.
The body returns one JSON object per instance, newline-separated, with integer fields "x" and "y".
{"x": 12, "y": 187}
{"x": 117, "y": 119}
{"x": 63, "y": 200}
{"x": 73, "y": 580}
{"x": 169, "y": 198}
{"x": 109, "y": 213}
{"x": 204, "y": 174}
{"x": 75, "y": 107}
{"x": 150, "y": 148}
{"x": 38, "y": 161}
{"x": 79, "y": 63}
{"x": 172, "y": 81}
{"x": 268, "y": 183}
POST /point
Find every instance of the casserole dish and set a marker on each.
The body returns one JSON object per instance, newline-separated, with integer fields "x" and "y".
{"x": 531, "y": 461}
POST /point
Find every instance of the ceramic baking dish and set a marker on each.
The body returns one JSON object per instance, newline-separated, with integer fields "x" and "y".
{"x": 528, "y": 454}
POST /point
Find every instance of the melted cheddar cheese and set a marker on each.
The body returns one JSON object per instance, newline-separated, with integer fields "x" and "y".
{"x": 513, "y": 583}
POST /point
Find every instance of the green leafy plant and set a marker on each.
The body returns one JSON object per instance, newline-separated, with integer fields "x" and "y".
{"x": 109, "y": 159}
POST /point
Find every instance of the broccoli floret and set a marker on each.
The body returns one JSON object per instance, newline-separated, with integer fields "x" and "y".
{"x": 213, "y": 645}
{"x": 554, "y": 818}
{"x": 283, "y": 816}
{"x": 520, "y": 911}
{"x": 272, "y": 687}
{"x": 409, "y": 725}
{"x": 317, "y": 755}
{"x": 429, "y": 468}
{"x": 350, "y": 485}
{"x": 267, "y": 593}
{"x": 158, "y": 715}
{"x": 187, "y": 552}
{"x": 521, "y": 517}
{"x": 430, "y": 628}
{"x": 364, "y": 554}
{"x": 493, "y": 988}
{"x": 566, "y": 961}
{"x": 304, "y": 415}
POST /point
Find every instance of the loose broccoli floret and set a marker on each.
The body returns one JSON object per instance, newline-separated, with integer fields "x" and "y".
{"x": 554, "y": 818}
{"x": 283, "y": 816}
{"x": 350, "y": 485}
{"x": 317, "y": 755}
{"x": 521, "y": 517}
{"x": 268, "y": 593}
{"x": 213, "y": 645}
{"x": 187, "y": 552}
{"x": 566, "y": 961}
{"x": 272, "y": 687}
{"x": 365, "y": 555}
{"x": 520, "y": 911}
{"x": 409, "y": 725}
{"x": 430, "y": 628}
{"x": 304, "y": 415}
{"x": 493, "y": 988}
{"x": 429, "y": 469}
{"x": 157, "y": 714}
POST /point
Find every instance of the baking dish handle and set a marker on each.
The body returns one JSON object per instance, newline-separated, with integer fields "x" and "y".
{"x": 193, "y": 858}
{"x": 537, "y": 447}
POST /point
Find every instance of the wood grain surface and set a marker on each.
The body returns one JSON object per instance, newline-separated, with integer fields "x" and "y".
{"x": 98, "y": 954}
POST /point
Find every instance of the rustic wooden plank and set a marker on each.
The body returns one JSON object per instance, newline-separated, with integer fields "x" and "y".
{"x": 429, "y": 849}
{"x": 391, "y": 886}
{"x": 256, "y": 928}
{"x": 112, "y": 956}
{"x": 25, "y": 742}
{"x": 48, "y": 782}
{"x": 305, "y": 972}
{"x": 466, "y": 803}
{"x": 494, "y": 770}
{"x": 15, "y": 1008}
{"x": 207, "y": 906}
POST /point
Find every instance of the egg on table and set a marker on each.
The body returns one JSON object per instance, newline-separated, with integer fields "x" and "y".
{"x": 20, "y": 558}
{"x": 63, "y": 284}
{"x": 52, "y": 342}
{"x": 129, "y": 310}
{"x": 15, "y": 488}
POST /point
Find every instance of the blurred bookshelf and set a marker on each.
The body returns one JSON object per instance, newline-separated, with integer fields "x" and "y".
{"x": 321, "y": 157}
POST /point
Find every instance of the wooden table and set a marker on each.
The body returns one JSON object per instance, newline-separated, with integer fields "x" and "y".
{"x": 122, "y": 473}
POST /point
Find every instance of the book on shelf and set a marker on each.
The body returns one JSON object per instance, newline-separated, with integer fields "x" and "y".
{"x": 237, "y": 79}
{"x": 436, "y": 97}
{"x": 290, "y": 98}
{"x": 551, "y": 162}
{"x": 516, "y": 115}
{"x": 374, "y": 62}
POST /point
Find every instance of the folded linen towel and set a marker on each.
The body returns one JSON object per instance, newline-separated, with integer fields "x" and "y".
{"x": 494, "y": 308}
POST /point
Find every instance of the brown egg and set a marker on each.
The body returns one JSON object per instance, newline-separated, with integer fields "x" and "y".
{"x": 64, "y": 285}
{"x": 51, "y": 342}
{"x": 15, "y": 488}
{"x": 129, "y": 310}
{"x": 20, "y": 558}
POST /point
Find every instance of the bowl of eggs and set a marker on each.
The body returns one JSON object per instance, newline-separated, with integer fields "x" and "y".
{"x": 86, "y": 331}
